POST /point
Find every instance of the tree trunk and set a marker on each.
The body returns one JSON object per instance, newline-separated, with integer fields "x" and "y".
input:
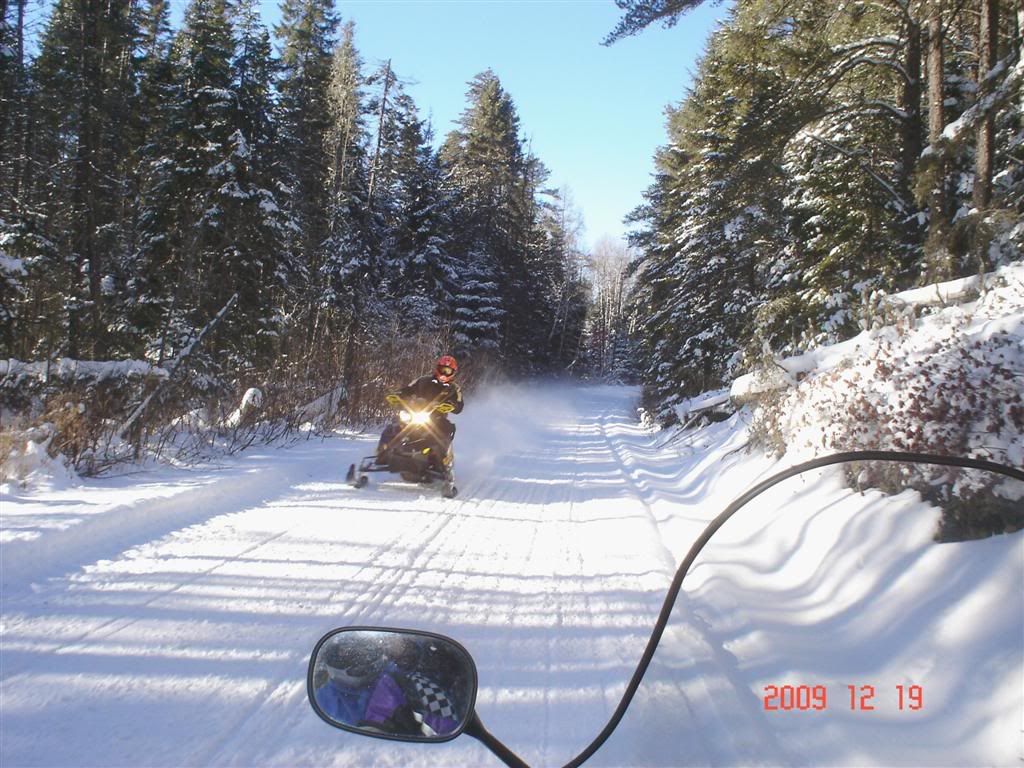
{"x": 21, "y": 118}
{"x": 1020, "y": 28}
{"x": 988, "y": 41}
{"x": 936, "y": 92}
{"x": 910, "y": 102}
{"x": 380, "y": 135}
{"x": 349, "y": 363}
{"x": 938, "y": 259}
{"x": 11, "y": 81}
{"x": 24, "y": 172}
{"x": 85, "y": 196}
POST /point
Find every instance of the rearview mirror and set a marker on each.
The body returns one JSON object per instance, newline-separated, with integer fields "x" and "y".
{"x": 392, "y": 683}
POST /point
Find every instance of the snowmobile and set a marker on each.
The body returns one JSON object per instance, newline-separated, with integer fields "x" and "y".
{"x": 452, "y": 670}
{"x": 412, "y": 448}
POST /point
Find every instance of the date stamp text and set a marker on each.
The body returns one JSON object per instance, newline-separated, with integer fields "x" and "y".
{"x": 857, "y": 698}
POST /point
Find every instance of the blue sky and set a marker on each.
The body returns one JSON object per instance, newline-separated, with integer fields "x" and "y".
{"x": 594, "y": 115}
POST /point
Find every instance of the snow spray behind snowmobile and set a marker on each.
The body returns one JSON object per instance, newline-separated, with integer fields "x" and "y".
{"x": 412, "y": 446}
{"x": 439, "y": 676}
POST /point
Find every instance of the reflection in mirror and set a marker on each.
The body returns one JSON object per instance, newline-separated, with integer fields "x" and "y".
{"x": 393, "y": 683}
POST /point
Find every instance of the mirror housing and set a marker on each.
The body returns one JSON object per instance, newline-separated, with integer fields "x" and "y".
{"x": 399, "y": 684}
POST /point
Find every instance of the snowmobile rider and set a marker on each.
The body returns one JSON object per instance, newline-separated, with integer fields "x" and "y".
{"x": 438, "y": 387}
{"x": 383, "y": 692}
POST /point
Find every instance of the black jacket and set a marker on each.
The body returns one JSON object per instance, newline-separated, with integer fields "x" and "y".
{"x": 430, "y": 389}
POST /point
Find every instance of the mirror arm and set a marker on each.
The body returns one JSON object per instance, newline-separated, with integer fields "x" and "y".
{"x": 476, "y": 729}
{"x": 718, "y": 522}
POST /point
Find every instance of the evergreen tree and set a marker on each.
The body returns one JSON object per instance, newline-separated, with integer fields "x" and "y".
{"x": 700, "y": 283}
{"x": 851, "y": 219}
{"x": 484, "y": 160}
{"x": 14, "y": 93}
{"x": 202, "y": 225}
{"x": 20, "y": 245}
{"x": 307, "y": 36}
{"x": 352, "y": 262}
{"x": 251, "y": 215}
{"x": 423, "y": 272}
{"x": 147, "y": 135}
{"x": 85, "y": 82}
{"x": 555, "y": 309}
{"x": 477, "y": 309}
{"x": 794, "y": 182}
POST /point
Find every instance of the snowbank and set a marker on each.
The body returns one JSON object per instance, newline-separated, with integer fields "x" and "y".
{"x": 947, "y": 383}
{"x": 1002, "y": 293}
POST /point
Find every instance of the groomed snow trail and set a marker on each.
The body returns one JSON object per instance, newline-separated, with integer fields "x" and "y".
{"x": 181, "y": 637}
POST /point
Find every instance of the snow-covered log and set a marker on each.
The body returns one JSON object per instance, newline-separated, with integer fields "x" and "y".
{"x": 16, "y": 372}
{"x": 940, "y": 294}
{"x": 695, "y": 406}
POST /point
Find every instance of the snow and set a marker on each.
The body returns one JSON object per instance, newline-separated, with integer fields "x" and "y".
{"x": 252, "y": 401}
{"x": 33, "y": 467}
{"x": 323, "y": 407}
{"x": 165, "y": 618}
{"x": 11, "y": 266}
{"x": 13, "y": 371}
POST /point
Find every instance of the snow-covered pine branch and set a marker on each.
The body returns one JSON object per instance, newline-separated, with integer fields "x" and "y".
{"x": 895, "y": 196}
{"x": 859, "y": 45}
{"x": 843, "y": 66}
{"x": 874, "y": 107}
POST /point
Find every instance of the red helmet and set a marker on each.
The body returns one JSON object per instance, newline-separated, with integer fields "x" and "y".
{"x": 446, "y": 369}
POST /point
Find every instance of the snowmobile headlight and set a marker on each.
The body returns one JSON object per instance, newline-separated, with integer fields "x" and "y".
{"x": 414, "y": 417}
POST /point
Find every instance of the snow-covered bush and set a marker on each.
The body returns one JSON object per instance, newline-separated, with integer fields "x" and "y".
{"x": 246, "y": 412}
{"x": 76, "y": 403}
{"x": 951, "y": 384}
{"x": 27, "y": 459}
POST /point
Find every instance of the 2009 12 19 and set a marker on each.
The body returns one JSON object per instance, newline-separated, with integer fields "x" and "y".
{"x": 860, "y": 698}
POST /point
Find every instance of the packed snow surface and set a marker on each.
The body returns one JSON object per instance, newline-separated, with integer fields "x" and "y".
{"x": 165, "y": 618}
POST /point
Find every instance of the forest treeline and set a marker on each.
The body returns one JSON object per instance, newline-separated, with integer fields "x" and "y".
{"x": 158, "y": 182}
{"x": 242, "y": 207}
{"x": 826, "y": 152}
